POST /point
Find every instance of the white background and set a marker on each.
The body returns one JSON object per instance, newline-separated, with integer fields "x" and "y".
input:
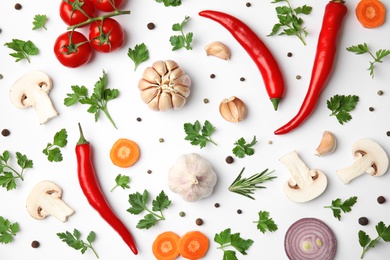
{"x": 350, "y": 76}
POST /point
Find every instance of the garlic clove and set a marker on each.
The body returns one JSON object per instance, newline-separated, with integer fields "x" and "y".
{"x": 148, "y": 94}
{"x": 151, "y": 75}
{"x": 171, "y": 65}
{"x": 182, "y": 90}
{"x": 218, "y": 49}
{"x": 178, "y": 101}
{"x": 233, "y": 109}
{"x": 327, "y": 144}
{"x": 160, "y": 68}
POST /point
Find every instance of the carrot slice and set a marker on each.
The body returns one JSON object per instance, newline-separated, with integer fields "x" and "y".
{"x": 124, "y": 153}
{"x": 370, "y": 13}
{"x": 166, "y": 246}
{"x": 193, "y": 245}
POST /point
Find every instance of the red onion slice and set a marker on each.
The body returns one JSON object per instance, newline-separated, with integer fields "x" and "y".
{"x": 308, "y": 239}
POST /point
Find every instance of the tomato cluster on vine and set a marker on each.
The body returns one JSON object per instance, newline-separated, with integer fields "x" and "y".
{"x": 74, "y": 49}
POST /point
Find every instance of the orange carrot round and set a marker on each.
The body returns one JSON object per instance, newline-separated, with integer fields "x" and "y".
{"x": 193, "y": 245}
{"x": 124, "y": 153}
{"x": 166, "y": 246}
{"x": 370, "y": 13}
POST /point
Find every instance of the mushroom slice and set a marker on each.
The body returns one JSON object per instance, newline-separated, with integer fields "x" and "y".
{"x": 369, "y": 157}
{"x": 45, "y": 199}
{"x": 305, "y": 184}
{"x": 32, "y": 90}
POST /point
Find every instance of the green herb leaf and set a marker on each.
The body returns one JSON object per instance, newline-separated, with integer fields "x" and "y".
{"x": 161, "y": 202}
{"x": 39, "y": 21}
{"x": 198, "y": 134}
{"x": 242, "y": 148}
{"x": 73, "y": 240}
{"x": 247, "y": 186}
{"x": 265, "y": 222}
{"x": 52, "y": 150}
{"x": 122, "y": 181}
{"x": 23, "y": 49}
{"x": 345, "y": 206}
{"x": 170, "y": 2}
{"x": 226, "y": 239}
{"x": 98, "y": 101}
{"x": 7, "y": 230}
{"x": 8, "y": 174}
{"x": 139, "y": 54}
{"x": 183, "y": 40}
{"x": 366, "y": 242}
{"x": 341, "y": 106}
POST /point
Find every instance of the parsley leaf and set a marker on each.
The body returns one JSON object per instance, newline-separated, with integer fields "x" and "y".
{"x": 138, "y": 204}
{"x": 183, "y": 40}
{"x": 52, "y": 150}
{"x": 265, "y": 222}
{"x": 8, "y": 177}
{"x": 73, "y": 240}
{"x": 23, "y": 49}
{"x": 122, "y": 181}
{"x": 139, "y": 54}
{"x": 289, "y": 20}
{"x": 198, "y": 134}
{"x": 170, "y": 2}
{"x": 39, "y": 21}
{"x": 338, "y": 206}
{"x": 366, "y": 242}
{"x": 242, "y": 148}
{"x": 363, "y": 48}
{"x": 7, "y": 230}
{"x": 226, "y": 239}
{"x": 97, "y": 101}
{"x": 341, "y": 105}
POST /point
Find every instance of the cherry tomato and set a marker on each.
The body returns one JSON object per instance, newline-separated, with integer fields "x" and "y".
{"x": 107, "y": 5}
{"x": 76, "y": 11}
{"x": 106, "y": 35}
{"x": 72, "y": 49}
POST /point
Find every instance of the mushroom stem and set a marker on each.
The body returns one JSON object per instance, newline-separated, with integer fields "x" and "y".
{"x": 300, "y": 173}
{"x": 361, "y": 165}
{"x": 55, "y": 207}
{"x": 43, "y": 106}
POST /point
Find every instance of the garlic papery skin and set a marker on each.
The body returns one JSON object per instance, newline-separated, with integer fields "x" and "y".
{"x": 233, "y": 109}
{"x": 218, "y": 49}
{"x": 192, "y": 177}
{"x": 327, "y": 144}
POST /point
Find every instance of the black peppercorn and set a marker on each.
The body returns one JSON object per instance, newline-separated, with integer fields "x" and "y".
{"x": 363, "y": 221}
{"x": 229, "y": 159}
{"x": 212, "y": 76}
{"x": 151, "y": 26}
{"x": 289, "y": 54}
{"x": 371, "y": 109}
{"x": 239, "y": 211}
{"x": 388, "y": 133}
{"x": 199, "y": 221}
{"x": 216, "y": 205}
{"x": 381, "y": 199}
{"x": 5, "y": 132}
{"x": 248, "y": 4}
{"x": 242, "y": 79}
{"x": 35, "y": 244}
{"x": 18, "y": 6}
{"x": 149, "y": 171}
{"x": 139, "y": 119}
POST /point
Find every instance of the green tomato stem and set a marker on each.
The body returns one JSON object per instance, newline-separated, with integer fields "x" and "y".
{"x": 99, "y": 18}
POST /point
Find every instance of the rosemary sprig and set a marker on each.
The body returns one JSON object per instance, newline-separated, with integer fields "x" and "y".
{"x": 247, "y": 186}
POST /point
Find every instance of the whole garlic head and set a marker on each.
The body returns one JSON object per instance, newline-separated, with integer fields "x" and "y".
{"x": 164, "y": 86}
{"x": 192, "y": 177}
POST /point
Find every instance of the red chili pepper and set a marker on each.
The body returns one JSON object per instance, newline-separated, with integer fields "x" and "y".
{"x": 91, "y": 188}
{"x": 335, "y": 12}
{"x": 257, "y": 50}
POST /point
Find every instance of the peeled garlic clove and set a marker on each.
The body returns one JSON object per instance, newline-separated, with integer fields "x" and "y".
{"x": 218, "y": 49}
{"x": 327, "y": 144}
{"x": 233, "y": 109}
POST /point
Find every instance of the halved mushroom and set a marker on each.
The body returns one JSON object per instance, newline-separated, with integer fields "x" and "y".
{"x": 304, "y": 184}
{"x": 31, "y": 90}
{"x": 369, "y": 157}
{"x": 45, "y": 199}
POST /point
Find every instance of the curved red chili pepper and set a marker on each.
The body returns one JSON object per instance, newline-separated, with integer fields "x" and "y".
{"x": 335, "y": 12}
{"x": 92, "y": 191}
{"x": 257, "y": 50}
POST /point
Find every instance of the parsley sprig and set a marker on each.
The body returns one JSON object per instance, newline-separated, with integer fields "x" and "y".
{"x": 97, "y": 101}
{"x": 23, "y": 49}
{"x": 39, "y": 21}
{"x": 73, "y": 240}
{"x": 341, "y": 106}
{"x": 53, "y": 150}
{"x": 265, "y": 222}
{"x": 9, "y": 174}
{"x": 182, "y": 40}
{"x": 170, "y": 2}
{"x": 289, "y": 20}
{"x": 243, "y": 148}
{"x": 363, "y": 49}
{"x": 7, "y": 230}
{"x": 139, "y": 54}
{"x": 121, "y": 181}
{"x": 227, "y": 240}
{"x": 139, "y": 203}
{"x": 338, "y": 205}
{"x": 366, "y": 242}
{"x": 247, "y": 186}
{"x": 198, "y": 134}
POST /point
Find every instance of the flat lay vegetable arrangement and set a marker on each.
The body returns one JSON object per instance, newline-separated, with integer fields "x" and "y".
{"x": 186, "y": 158}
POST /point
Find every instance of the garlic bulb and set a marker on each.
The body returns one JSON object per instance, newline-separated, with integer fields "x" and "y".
{"x": 164, "y": 86}
{"x": 192, "y": 177}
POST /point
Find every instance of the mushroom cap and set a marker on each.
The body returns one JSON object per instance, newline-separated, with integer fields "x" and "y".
{"x": 44, "y": 188}
{"x": 21, "y": 89}
{"x": 379, "y": 157}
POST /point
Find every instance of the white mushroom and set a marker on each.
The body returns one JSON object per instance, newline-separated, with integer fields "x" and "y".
{"x": 31, "y": 90}
{"x": 369, "y": 157}
{"x": 305, "y": 184}
{"x": 45, "y": 199}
